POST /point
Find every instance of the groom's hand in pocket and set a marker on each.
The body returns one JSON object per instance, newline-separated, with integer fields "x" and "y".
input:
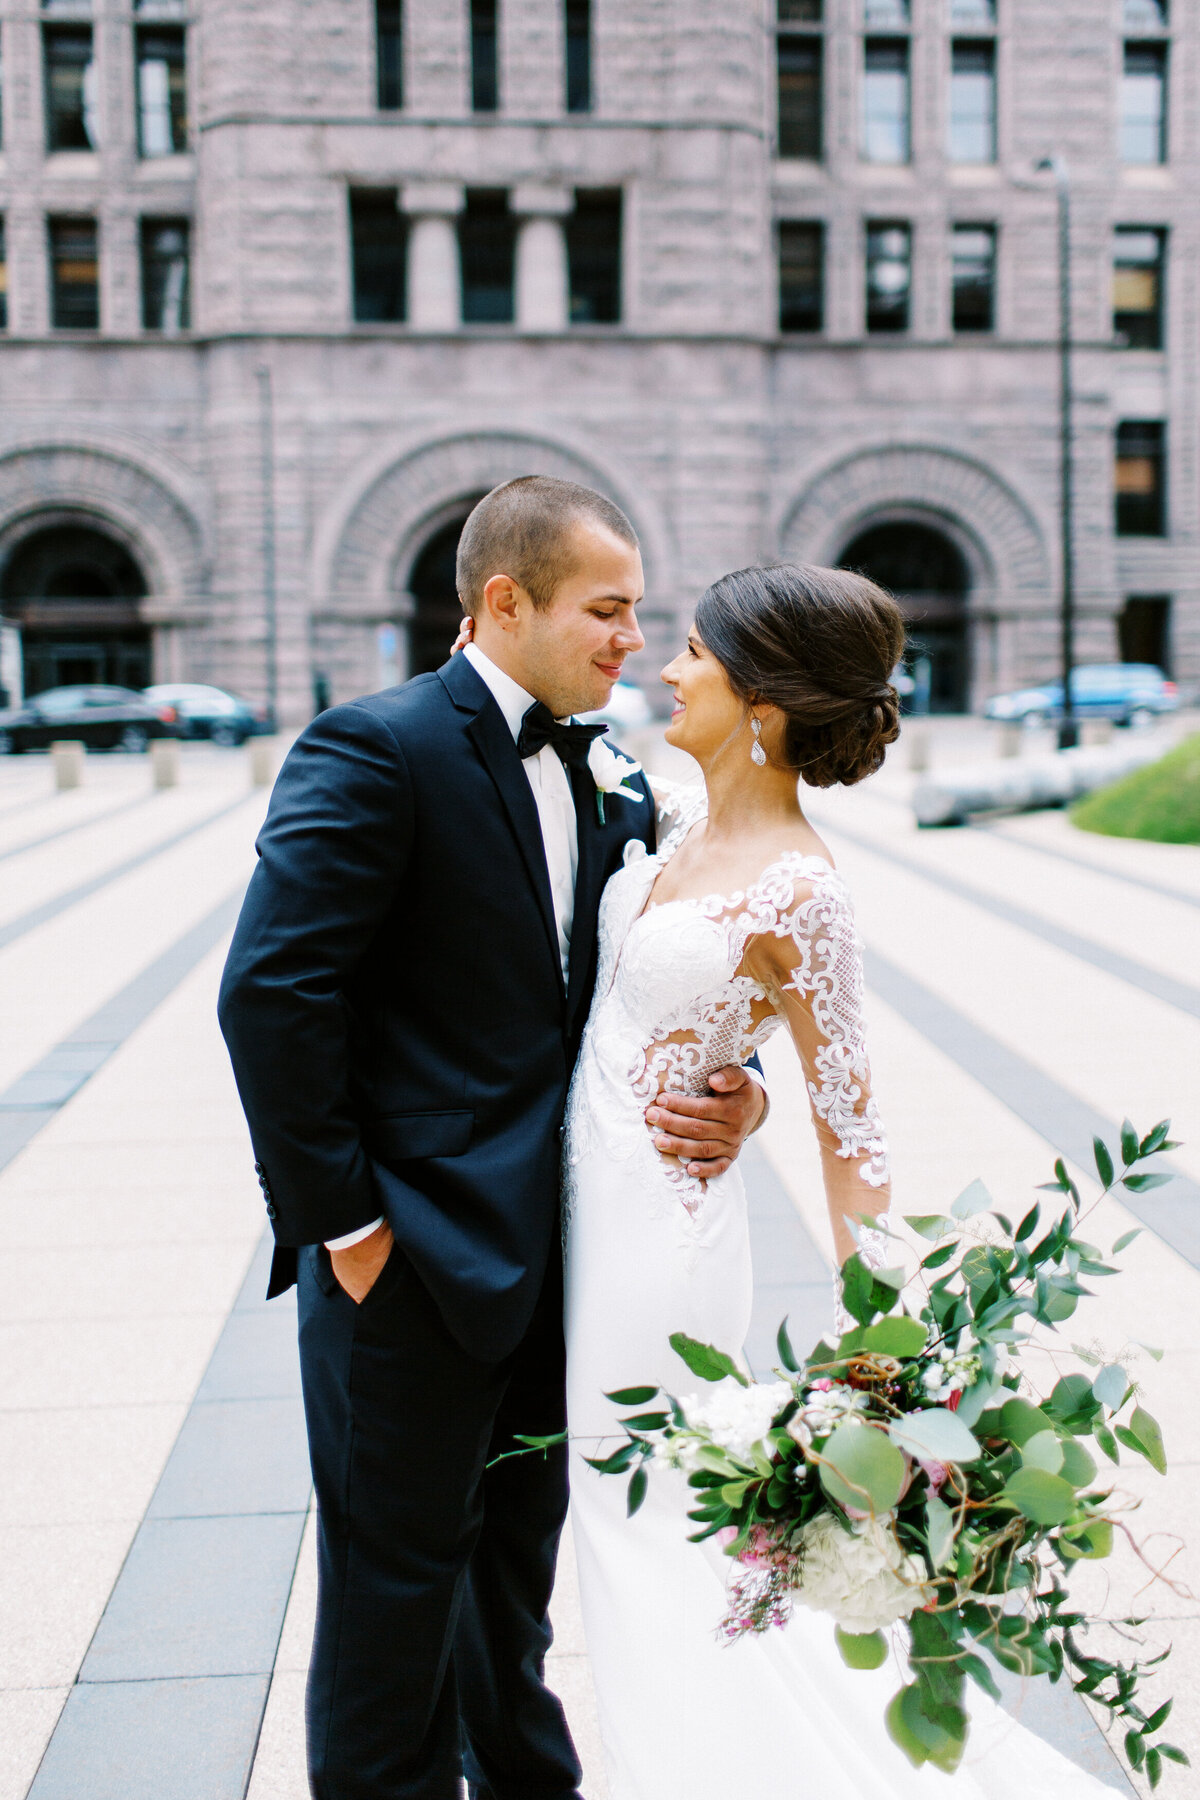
{"x": 706, "y": 1132}
{"x": 359, "y": 1268}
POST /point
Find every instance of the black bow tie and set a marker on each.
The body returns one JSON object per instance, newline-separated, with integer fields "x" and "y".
{"x": 539, "y": 727}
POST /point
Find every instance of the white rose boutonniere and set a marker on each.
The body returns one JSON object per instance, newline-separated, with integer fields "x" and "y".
{"x": 610, "y": 772}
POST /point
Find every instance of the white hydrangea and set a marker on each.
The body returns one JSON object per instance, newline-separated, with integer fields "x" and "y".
{"x": 953, "y": 1371}
{"x": 735, "y": 1417}
{"x": 825, "y": 1408}
{"x": 861, "y": 1576}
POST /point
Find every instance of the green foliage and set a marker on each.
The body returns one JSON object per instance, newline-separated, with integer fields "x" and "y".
{"x": 1160, "y": 802}
{"x": 862, "y": 1468}
{"x": 704, "y": 1361}
{"x": 866, "y": 1651}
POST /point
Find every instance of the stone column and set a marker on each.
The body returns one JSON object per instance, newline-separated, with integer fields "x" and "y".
{"x": 434, "y": 272}
{"x": 543, "y": 293}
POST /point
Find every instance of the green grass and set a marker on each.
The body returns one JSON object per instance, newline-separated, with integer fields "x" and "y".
{"x": 1160, "y": 802}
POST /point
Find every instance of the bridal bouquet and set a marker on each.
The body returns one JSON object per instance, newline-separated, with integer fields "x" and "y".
{"x": 911, "y": 1475}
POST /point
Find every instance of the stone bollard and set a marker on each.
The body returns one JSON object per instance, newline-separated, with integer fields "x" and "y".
{"x": 164, "y": 762}
{"x": 918, "y": 741}
{"x": 1096, "y": 731}
{"x": 1008, "y": 737}
{"x": 263, "y": 753}
{"x": 66, "y": 755}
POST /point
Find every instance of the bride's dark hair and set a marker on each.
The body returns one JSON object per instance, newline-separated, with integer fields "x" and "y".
{"x": 821, "y": 645}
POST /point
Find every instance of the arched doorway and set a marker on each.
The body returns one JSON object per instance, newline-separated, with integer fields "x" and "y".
{"x": 433, "y": 625}
{"x": 928, "y": 575}
{"x": 75, "y": 593}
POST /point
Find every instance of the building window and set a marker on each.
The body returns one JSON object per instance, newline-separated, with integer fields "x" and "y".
{"x": 485, "y": 80}
{"x": 973, "y": 101}
{"x": 1140, "y": 483}
{"x": 891, "y": 14}
{"x": 577, "y": 35}
{"x": 885, "y": 136}
{"x": 593, "y": 233}
{"x": 801, "y": 275}
{"x": 379, "y": 258}
{"x": 71, "y": 111}
{"x": 889, "y": 276}
{"x": 972, "y": 12}
{"x": 799, "y": 80}
{"x": 3, "y": 280}
{"x": 166, "y": 285}
{"x": 74, "y": 275}
{"x": 974, "y": 298}
{"x": 389, "y": 55}
{"x": 1144, "y": 631}
{"x": 486, "y": 243}
{"x": 1145, "y": 15}
{"x": 1138, "y": 262}
{"x": 1144, "y": 104}
{"x": 162, "y": 91}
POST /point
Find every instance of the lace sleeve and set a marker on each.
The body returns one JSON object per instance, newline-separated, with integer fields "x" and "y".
{"x": 810, "y": 965}
{"x": 677, "y": 806}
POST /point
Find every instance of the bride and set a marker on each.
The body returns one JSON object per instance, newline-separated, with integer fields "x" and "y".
{"x": 738, "y": 925}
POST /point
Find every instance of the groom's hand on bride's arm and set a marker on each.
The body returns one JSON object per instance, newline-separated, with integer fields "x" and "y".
{"x": 706, "y": 1132}
{"x": 359, "y": 1267}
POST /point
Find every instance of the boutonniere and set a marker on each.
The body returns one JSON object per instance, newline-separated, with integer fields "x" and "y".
{"x": 609, "y": 772}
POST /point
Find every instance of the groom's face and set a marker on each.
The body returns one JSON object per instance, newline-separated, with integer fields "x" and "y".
{"x": 570, "y": 653}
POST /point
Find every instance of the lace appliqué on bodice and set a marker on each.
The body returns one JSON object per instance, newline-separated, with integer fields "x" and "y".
{"x": 684, "y": 988}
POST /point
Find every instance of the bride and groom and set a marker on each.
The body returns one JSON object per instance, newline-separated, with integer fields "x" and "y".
{"x": 489, "y": 987}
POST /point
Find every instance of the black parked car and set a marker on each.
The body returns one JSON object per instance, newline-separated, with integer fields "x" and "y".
{"x": 103, "y": 718}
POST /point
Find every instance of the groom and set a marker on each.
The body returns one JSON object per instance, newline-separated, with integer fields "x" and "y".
{"x": 403, "y": 1004}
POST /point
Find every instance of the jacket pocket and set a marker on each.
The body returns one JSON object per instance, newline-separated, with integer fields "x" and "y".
{"x": 409, "y": 1137}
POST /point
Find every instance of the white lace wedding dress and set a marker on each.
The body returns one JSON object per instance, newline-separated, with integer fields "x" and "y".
{"x": 684, "y": 988}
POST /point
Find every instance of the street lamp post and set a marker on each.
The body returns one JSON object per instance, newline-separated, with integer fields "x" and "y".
{"x": 1068, "y": 729}
{"x": 266, "y": 418}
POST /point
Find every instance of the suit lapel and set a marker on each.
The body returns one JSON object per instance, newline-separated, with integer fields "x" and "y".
{"x": 492, "y": 738}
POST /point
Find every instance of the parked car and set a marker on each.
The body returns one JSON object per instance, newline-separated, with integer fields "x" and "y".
{"x": 627, "y": 709}
{"x": 209, "y": 712}
{"x": 103, "y": 718}
{"x": 1126, "y": 693}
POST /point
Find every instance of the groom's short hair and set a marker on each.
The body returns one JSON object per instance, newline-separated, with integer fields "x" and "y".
{"x": 523, "y": 529}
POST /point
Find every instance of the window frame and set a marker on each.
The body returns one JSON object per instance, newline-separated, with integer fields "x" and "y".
{"x": 178, "y": 34}
{"x": 1154, "y": 502}
{"x": 801, "y": 125}
{"x": 901, "y": 48}
{"x": 59, "y": 31}
{"x": 148, "y": 223}
{"x": 610, "y": 200}
{"x": 1157, "y": 52}
{"x": 389, "y": 56}
{"x": 814, "y": 230}
{"x": 875, "y": 227}
{"x": 485, "y": 72}
{"x": 56, "y": 224}
{"x": 578, "y": 83}
{"x": 1159, "y": 269}
{"x": 385, "y": 203}
{"x": 981, "y": 46}
{"x": 991, "y": 229}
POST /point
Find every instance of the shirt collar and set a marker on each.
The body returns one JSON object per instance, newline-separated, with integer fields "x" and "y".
{"x": 512, "y": 699}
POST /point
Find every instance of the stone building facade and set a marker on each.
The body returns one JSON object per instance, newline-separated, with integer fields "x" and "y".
{"x": 286, "y": 287}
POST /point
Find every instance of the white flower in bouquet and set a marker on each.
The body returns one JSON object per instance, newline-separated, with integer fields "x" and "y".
{"x": 861, "y": 1576}
{"x": 736, "y": 1418}
{"x": 827, "y": 1404}
{"x": 953, "y": 1371}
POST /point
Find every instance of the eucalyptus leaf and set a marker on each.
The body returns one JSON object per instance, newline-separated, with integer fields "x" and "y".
{"x": 1077, "y": 1466}
{"x": 1111, "y": 1385}
{"x": 862, "y": 1468}
{"x": 1044, "y": 1498}
{"x": 1149, "y": 1435}
{"x": 941, "y": 1255}
{"x": 1150, "y": 1178}
{"x": 939, "y": 1531}
{"x": 900, "y": 1336}
{"x": 1104, "y": 1162}
{"x": 1107, "y": 1442}
{"x": 937, "y": 1434}
{"x": 1020, "y": 1420}
{"x": 1126, "y": 1238}
{"x": 900, "y": 1732}
{"x": 1043, "y": 1451}
{"x": 1091, "y": 1542}
{"x": 703, "y": 1360}
{"x": 929, "y": 1225}
{"x": 973, "y": 1199}
{"x": 634, "y": 1396}
{"x": 976, "y": 1400}
{"x": 783, "y": 1343}
{"x": 1130, "y": 1144}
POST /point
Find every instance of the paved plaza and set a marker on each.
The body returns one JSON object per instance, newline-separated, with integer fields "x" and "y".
{"x": 1028, "y": 985}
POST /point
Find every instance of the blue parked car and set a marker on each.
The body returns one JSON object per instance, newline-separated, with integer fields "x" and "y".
{"x": 209, "y": 712}
{"x": 1126, "y": 693}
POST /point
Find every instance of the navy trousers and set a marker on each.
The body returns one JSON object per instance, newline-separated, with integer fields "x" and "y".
{"x": 434, "y": 1571}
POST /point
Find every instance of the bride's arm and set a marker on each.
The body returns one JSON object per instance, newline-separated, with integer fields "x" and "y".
{"x": 811, "y": 968}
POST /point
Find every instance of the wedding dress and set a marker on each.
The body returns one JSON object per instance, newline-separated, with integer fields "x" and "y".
{"x": 684, "y": 988}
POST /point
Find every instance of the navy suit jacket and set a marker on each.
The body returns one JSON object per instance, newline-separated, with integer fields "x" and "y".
{"x": 393, "y": 1001}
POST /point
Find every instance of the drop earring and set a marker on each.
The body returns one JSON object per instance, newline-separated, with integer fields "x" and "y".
{"x": 757, "y": 753}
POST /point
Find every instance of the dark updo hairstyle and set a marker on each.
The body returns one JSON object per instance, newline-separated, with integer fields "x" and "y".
{"x": 820, "y": 644}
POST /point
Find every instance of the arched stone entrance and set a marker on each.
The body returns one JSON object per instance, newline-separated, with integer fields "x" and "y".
{"x": 75, "y": 591}
{"x": 928, "y": 575}
{"x": 434, "y": 611}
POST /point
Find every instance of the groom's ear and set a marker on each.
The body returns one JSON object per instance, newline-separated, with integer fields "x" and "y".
{"x": 504, "y": 601}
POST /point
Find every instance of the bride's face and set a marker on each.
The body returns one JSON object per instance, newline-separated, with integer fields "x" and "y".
{"x": 707, "y": 714}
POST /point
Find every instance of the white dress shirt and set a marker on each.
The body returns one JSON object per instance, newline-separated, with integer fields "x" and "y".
{"x": 560, "y": 833}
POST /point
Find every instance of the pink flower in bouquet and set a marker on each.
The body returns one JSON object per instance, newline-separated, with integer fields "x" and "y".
{"x": 936, "y": 1474}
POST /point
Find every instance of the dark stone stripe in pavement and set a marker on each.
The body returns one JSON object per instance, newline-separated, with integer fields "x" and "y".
{"x": 50, "y": 909}
{"x": 793, "y": 1280}
{"x": 62, "y": 831}
{"x": 169, "y": 1701}
{"x": 31, "y": 1101}
{"x": 1169, "y": 988}
{"x": 1066, "y": 1122}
